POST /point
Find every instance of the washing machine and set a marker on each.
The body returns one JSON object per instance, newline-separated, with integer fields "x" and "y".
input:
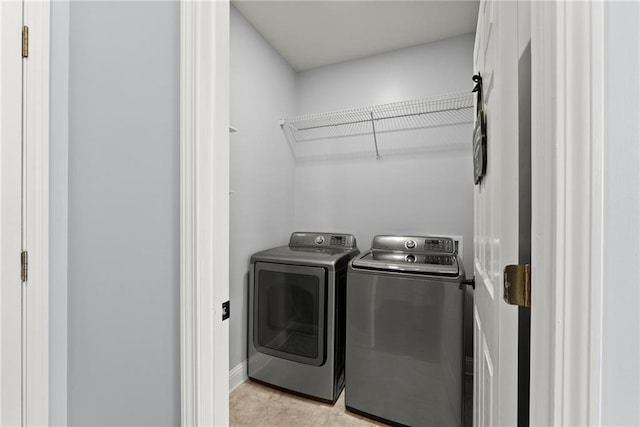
{"x": 296, "y": 310}
{"x": 404, "y": 353}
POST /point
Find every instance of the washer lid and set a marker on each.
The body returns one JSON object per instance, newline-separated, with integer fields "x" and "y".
{"x": 405, "y": 262}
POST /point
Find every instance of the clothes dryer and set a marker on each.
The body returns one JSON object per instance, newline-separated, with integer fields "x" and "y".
{"x": 297, "y": 314}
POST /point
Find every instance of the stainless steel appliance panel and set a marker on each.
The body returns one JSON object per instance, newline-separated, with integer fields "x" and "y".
{"x": 404, "y": 347}
{"x": 297, "y": 315}
{"x": 304, "y": 375}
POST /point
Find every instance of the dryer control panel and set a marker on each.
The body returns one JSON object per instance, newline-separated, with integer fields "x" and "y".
{"x": 322, "y": 240}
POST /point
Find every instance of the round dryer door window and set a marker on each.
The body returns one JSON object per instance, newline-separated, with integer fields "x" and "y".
{"x": 289, "y": 314}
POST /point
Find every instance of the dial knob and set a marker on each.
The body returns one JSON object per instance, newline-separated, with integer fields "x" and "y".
{"x": 319, "y": 240}
{"x": 410, "y": 244}
{"x": 410, "y": 258}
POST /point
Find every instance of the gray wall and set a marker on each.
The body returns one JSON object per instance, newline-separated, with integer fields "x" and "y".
{"x": 123, "y": 268}
{"x": 422, "y": 193}
{"x": 621, "y": 243}
{"x": 262, "y": 92}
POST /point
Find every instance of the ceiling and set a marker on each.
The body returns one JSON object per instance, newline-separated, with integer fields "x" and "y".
{"x": 310, "y": 34}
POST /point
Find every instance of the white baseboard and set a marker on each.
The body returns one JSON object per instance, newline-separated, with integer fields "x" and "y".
{"x": 237, "y": 375}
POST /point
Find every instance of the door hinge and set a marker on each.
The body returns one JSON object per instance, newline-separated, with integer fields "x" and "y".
{"x": 225, "y": 310}
{"x": 24, "y": 263}
{"x": 25, "y": 41}
{"x": 517, "y": 285}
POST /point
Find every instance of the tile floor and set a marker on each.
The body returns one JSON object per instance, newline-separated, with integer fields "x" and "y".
{"x": 255, "y": 404}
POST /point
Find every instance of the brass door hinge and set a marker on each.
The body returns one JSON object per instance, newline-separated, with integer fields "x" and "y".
{"x": 25, "y": 41}
{"x": 517, "y": 285}
{"x": 24, "y": 270}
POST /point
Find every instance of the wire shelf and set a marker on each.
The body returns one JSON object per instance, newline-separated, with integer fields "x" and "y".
{"x": 358, "y": 123}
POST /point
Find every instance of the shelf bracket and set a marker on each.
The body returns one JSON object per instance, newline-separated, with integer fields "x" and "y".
{"x": 375, "y": 138}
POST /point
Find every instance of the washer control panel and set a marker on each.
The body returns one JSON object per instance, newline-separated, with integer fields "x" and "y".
{"x": 440, "y": 259}
{"x": 439, "y": 245}
{"x": 433, "y": 255}
{"x": 410, "y": 244}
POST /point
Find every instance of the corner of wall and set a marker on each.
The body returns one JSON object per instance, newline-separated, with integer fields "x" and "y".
{"x": 238, "y": 375}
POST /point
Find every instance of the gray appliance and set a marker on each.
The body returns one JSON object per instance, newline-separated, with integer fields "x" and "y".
{"x": 297, "y": 314}
{"x": 404, "y": 362}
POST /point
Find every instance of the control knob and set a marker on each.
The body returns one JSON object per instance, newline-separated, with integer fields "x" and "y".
{"x": 320, "y": 240}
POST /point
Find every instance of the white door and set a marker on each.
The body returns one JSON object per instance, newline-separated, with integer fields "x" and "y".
{"x": 11, "y": 213}
{"x": 496, "y": 218}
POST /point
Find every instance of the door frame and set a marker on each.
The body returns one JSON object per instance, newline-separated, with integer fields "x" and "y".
{"x": 567, "y": 200}
{"x": 204, "y": 211}
{"x": 566, "y": 216}
{"x": 37, "y": 82}
{"x": 35, "y": 356}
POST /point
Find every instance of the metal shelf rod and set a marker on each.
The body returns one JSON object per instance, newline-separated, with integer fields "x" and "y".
{"x": 375, "y": 139}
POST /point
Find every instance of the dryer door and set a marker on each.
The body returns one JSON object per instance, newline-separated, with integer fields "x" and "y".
{"x": 290, "y": 312}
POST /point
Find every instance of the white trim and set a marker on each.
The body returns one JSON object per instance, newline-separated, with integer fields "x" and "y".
{"x": 238, "y": 375}
{"x": 204, "y": 228}
{"x": 36, "y": 290}
{"x": 58, "y": 212}
{"x": 567, "y": 216}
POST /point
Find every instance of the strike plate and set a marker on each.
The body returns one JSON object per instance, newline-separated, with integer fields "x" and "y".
{"x": 517, "y": 285}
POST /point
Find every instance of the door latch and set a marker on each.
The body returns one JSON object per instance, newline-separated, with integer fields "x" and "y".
{"x": 517, "y": 285}
{"x": 225, "y": 310}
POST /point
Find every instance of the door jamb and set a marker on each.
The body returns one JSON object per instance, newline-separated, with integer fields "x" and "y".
{"x": 567, "y": 61}
{"x": 35, "y": 356}
{"x": 566, "y": 219}
{"x": 204, "y": 212}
